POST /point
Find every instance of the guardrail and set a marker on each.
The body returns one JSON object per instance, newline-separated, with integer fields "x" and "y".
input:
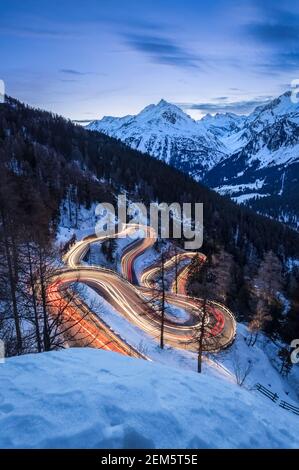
{"x": 288, "y": 406}
{"x": 274, "y": 397}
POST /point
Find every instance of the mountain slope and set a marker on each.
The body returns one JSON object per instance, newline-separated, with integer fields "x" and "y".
{"x": 265, "y": 171}
{"x": 85, "y": 398}
{"x": 223, "y": 125}
{"x": 46, "y": 150}
{"x": 167, "y": 133}
{"x": 46, "y": 160}
{"x": 252, "y": 159}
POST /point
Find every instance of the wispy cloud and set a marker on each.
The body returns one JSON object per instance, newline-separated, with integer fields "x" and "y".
{"x": 83, "y": 121}
{"x": 279, "y": 61}
{"x": 276, "y": 31}
{"x": 73, "y": 72}
{"x": 163, "y": 50}
{"x": 68, "y": 80}
{"x": 237, "y": 107}
{"x": 275, "y": 25}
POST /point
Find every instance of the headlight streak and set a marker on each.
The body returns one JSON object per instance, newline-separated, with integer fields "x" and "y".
{"x": 129, "y": 300}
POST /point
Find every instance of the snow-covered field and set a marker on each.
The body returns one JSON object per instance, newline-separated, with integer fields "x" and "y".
{"x": 219, "y": 379}
{"x": 261, "y": 356}
{"x": 227, "y": 365}
{"x": 86, "y": 398}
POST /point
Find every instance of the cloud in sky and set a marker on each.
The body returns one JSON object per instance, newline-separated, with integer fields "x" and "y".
{"x": 83, "y": 121}
{"x": 73, "y": 72}
{"x": 276, "y": 31}
{"x": 275, "y": 26}
{"x": 281, "y": 60}
{"x": 163, "y": 50}
{"x": 222, "y": 106}
{"x": 207, "y": 54}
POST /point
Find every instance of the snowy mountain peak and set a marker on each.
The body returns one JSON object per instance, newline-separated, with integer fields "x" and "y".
{"x": 280, "y": 107}
{"x": 162, "y": 103}
{"x": 164, "y": 113}
{"x": 223, "y": 124}
{"x": 246, "y": 157}
{"x": 263, "y": 167}
{"x": 223, "y": 116}
{"x": 166, "y": 132}
{"x": 154, "y": 116}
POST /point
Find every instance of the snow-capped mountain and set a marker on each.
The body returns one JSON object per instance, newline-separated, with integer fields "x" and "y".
{"x": 228, "y": 128}
{"x": 167, "y": 133}
{"x": 254, "y": 159}
{"x": 264, "y": 171}
{"x": 223, "y": 125}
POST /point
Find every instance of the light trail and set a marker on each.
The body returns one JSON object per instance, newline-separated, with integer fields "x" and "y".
{"x": 131, "y": 301}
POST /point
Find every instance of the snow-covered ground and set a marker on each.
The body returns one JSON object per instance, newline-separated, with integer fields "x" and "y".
{"x": 136, "y": 337}
{"x": 86, "y": 398}
{"x": 229, "y": 364}
{"x": 234, "y": 188}
{"x": 261, "y": 356}
{"x": 67, "y": 227}
{"x": 246, "y": 197}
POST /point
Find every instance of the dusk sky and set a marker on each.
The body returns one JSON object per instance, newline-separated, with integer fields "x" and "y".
{"x": 88, "y": 59}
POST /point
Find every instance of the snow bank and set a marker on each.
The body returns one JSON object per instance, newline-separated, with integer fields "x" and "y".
{"x": 94, "y": 399}
{"x": 223, "y": 365}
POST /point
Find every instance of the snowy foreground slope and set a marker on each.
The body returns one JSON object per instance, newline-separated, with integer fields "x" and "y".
{"x": 86, "y": 398}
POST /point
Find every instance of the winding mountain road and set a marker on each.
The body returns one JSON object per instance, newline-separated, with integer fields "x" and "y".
{"x": 132, "y": 300}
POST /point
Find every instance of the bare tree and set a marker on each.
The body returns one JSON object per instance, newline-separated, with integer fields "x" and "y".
{"x": 157, "y": 301}
{"x": 258, "y": 322}
{"x": 51, "y": 307}
{"x": 265, "y": 286}
{"x": 9, "y": 271}
{"x": 174, "y": 254}
{"x": 200, "y": 334}
{"x": 68, "y": 321}
{"x": 268, "y": 280}
{"x": 203, "y": 337}
{"x": 160, "y": 295}
{"x": 217, "y": 266}
{"x": 284, "y": 354}
{"x": 241, "y": 369}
